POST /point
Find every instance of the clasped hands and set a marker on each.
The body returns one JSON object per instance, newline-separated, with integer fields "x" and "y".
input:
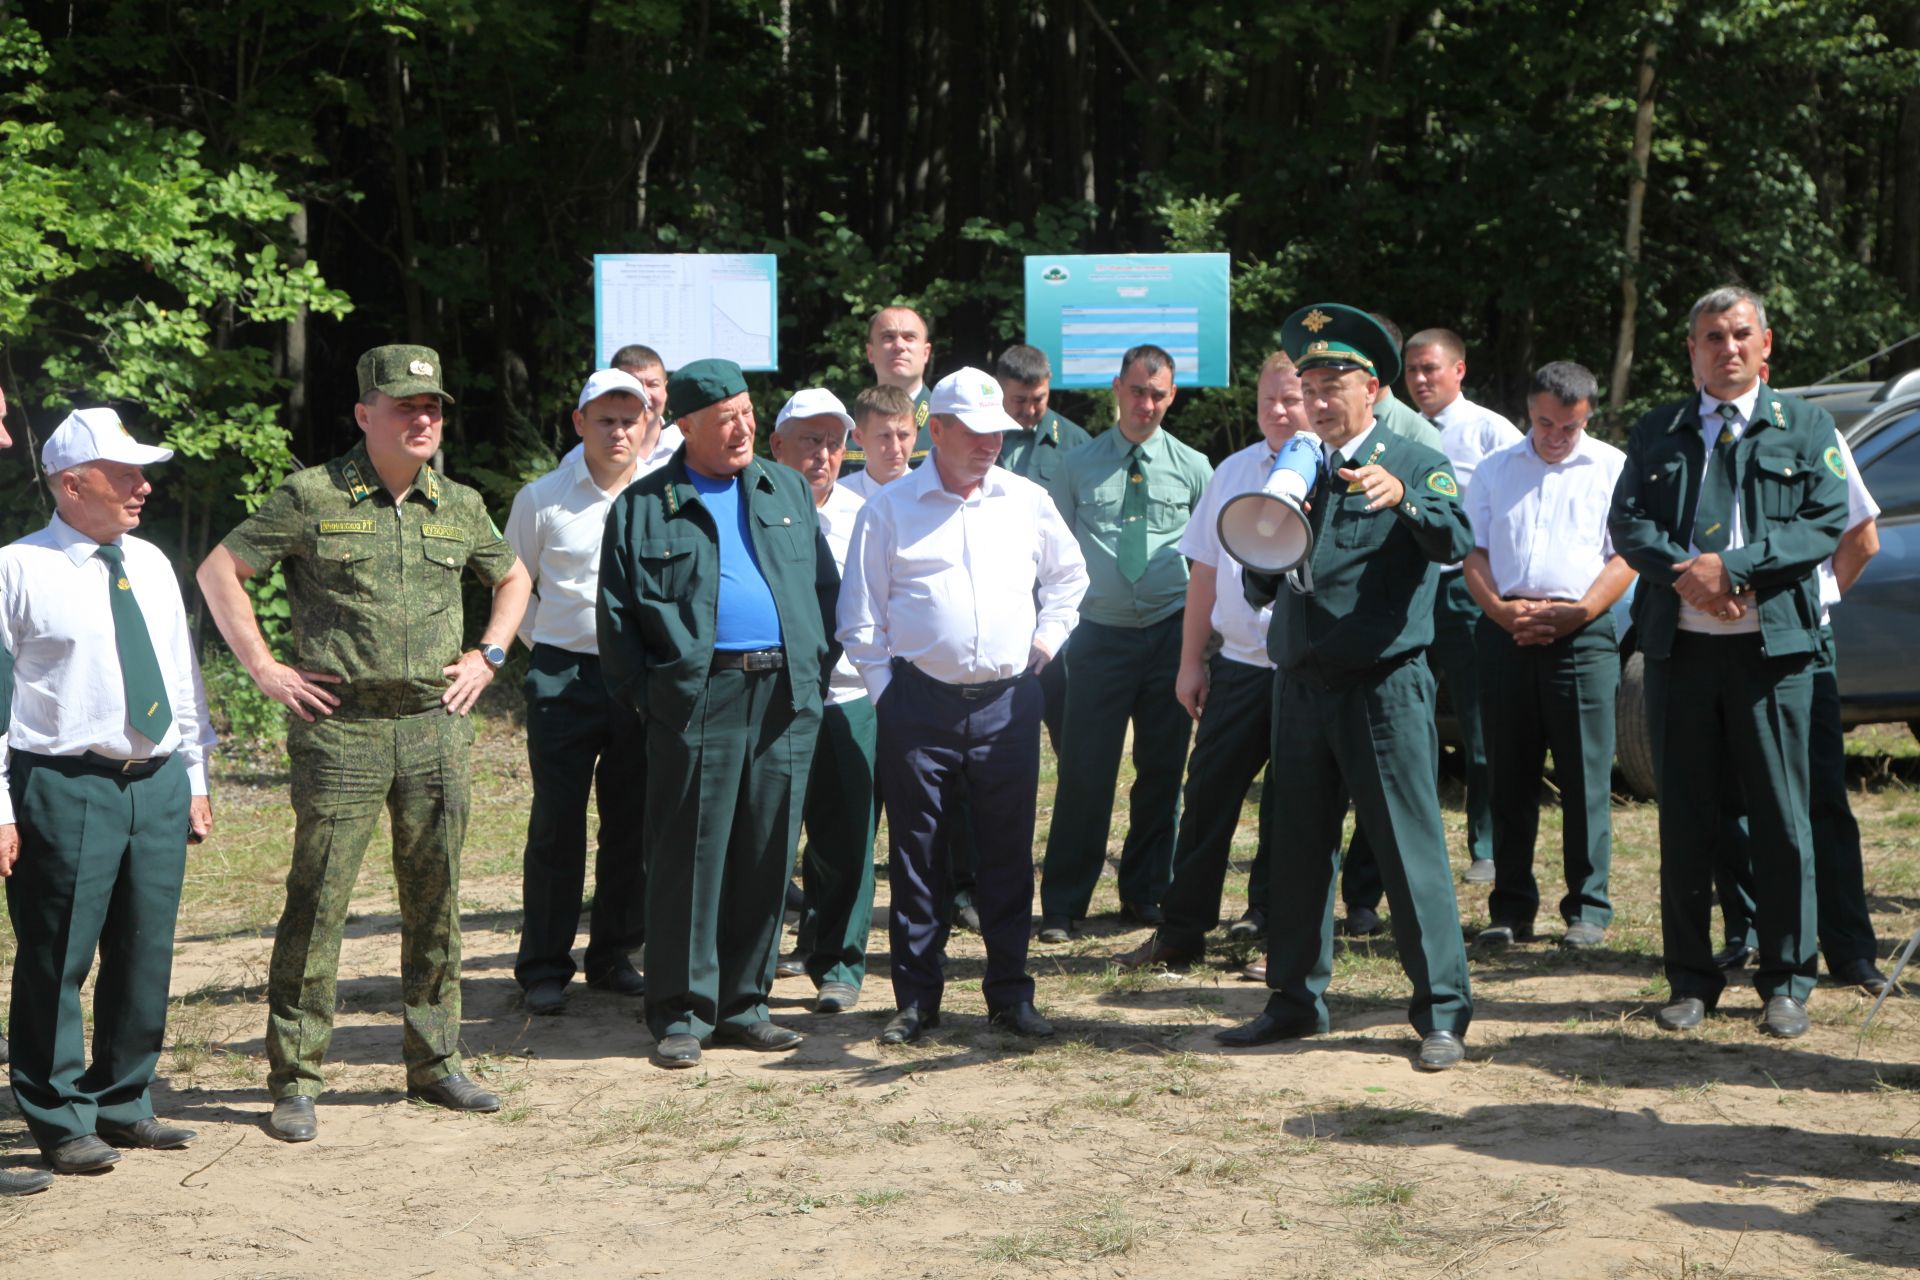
{"x": 1704, "y": 583}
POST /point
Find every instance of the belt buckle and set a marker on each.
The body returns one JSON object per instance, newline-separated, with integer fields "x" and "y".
{"x": 128, "y": 766}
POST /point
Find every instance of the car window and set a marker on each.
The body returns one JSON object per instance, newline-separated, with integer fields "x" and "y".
{"x": 1894, "y": 476}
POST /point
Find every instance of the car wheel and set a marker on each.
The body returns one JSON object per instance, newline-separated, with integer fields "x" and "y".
{"x": 1633, "y": 737}
{"x": 1913, "y": 727}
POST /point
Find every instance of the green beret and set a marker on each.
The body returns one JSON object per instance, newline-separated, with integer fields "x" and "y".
{"x": 1329, "y": 335}
{"x": 400, "y": 371}
{"x": 703, "y": 382}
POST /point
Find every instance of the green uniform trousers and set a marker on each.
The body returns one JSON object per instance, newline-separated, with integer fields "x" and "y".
{"x": 101, "y": 859}
{"x": 580, "y": 743}
{"x": 1230, "y": 749}
{"x": 345, "y": 772}
{"x": 837, "y": 868}
{"x": 1534, "y": 699}
{"x": 1117, "y": 674}
{"x": 724, "y": 800}
{"x": 1371, "y": 739}
{"x": 1718, "y": 704}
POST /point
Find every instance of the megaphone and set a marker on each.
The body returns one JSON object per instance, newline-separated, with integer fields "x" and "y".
{"x": 1266, "y": 529}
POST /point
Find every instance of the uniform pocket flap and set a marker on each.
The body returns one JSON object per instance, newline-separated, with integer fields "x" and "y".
{"x": 665, "y": 548}
{"x": 1782, "y": 465}
{"x": 774, "y": 519}
{"x": 344, "y": 549}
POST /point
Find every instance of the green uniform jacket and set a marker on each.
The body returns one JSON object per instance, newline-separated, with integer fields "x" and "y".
{"x": 373, "y": 586}
{"x": 1036, "y": 454}
{"x": 1374, "y": 573}
{"x": 1793, "y": 509}
{"x": 660, "y": 587}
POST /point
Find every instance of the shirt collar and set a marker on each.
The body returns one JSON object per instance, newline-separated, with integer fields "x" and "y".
{"x": 363, "y": 481}
{"x": 78, "y": 547}
{"x": 1453, "y": 409}
{"x": 1710, "y": 405}
{"x": 1150, "y": 449}
{"x": 1352, "y": 449}
{"x": 926, "y": 480}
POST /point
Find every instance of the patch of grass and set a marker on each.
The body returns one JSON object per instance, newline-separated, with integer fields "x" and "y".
{"x": 879, "y": 1198}
{"x": 1112, "y": 1101}
{"x": 1377, "y": 1192}
{"x": 667, "y": 1119}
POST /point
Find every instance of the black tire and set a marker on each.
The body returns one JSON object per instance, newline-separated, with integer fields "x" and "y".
{"x": 1913, "y": 727}
{"x": 1633, "y": 736}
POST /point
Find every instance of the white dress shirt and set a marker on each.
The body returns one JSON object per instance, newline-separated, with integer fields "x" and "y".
{"x": 1242, "y": 628}
{"x": 1543, "y": 524}
{"x": 555, "y": 528}
{"x": 1470, "y": 433}
{"x": 68, "y": 694}
{"x": 863, "y": 484}
{"x": 949, "y": 583}
{"x": 1860, "y": 508}
{"x": 671, "y": 438}
{"x": 837, "y": 516}
{"x": 1692, "y": 619}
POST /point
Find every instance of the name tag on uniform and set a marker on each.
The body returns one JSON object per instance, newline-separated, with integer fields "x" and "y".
{"x": 346, "y": 526}
{"x": 451, "y": 532}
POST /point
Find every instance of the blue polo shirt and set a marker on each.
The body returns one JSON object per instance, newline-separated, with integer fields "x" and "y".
{"x": 747, "y": 617}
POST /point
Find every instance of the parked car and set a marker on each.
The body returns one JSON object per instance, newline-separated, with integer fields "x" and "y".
{"x": 1877, "y": 629}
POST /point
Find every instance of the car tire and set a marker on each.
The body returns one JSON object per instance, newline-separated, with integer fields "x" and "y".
{"x": 1913, "y": 727}
{"x": 1633, "y": 735}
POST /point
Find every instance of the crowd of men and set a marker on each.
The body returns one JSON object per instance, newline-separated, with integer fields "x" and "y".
{"x": 727, "y": 651}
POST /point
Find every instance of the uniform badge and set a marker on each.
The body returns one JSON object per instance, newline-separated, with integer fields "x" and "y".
{"x": 920, "y": 414}
{"x": 421, "y": 368}
{"x": 123, "y": 584}
{"x": 1443, "y": 484}
{"x": 1312, "y": 347}
{"x": 1834, "y": 462}
{"x": 1316, "y": 320}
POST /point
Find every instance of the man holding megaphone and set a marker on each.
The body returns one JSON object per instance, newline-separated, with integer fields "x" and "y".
{"x": 1353, "y": 709}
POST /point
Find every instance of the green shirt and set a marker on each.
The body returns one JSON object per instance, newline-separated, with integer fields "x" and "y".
{"x": 1036, "y": 454}
{"x": 660, "y": 587}
{"x": 1089, "y": 487}
{"x": 1373, "y": 573}
{"x": 1404, "y": 421}
{"x": 373, "y": 585}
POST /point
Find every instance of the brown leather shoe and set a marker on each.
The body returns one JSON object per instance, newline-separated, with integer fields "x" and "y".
{"x": 1155, "y": 953}
{"x": 1256, "y": 971}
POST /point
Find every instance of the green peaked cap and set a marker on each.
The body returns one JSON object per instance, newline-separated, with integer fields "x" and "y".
{"x": 1328, "y": 334}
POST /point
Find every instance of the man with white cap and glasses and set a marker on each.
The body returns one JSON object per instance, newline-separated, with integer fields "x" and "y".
{"x": 961, "y": 583}
{"x": 810, "y": 435}
{"x": 105, "y": 786}
{"x": 576, "y": 735}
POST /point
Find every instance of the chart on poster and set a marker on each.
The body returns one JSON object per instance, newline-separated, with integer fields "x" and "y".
{"x": 688, "y": 306}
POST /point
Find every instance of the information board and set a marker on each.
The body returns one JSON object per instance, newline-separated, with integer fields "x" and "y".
{"x": 688, "y": 306}
{"x": 1086, "y": 310}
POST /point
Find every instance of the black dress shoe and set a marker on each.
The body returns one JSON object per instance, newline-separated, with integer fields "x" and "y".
{"x": 1733, "y": 956}
{"x": 148, "y": 1134}
{"x": 764, "y": 1036}
{"x": 790, "y": 967}
{"x": 85, "y": 1154}
{"x": 1266, "y": 1029}
{"x": 1863, "y": 974}
{"x": 1361, "y": 922}
{"x": 1498, "y": 935}
{"x": 677, "y": 1050}
{"x": 966, "y": 916}
{"x": 622, "y": 980}
{"x": 1683, "y": 1014}
{"x": 1154, "y": 952}
{"x": 24, "y": 1183}
{"x": 1440, "y": 1050}
{"x": 455, "y": 1093}
{"x": 1256, "y": 970}
{"x": 1785, "y": 1018}
{"x": 909, "y": 1025}
{"x": 1021, "y": 1019}
{"x": 293, "y": 1120}
{"x": 1250, "y": 927}
{"x": 1583, "y": 935}
{"x": 836, "y": 997}
{"x": 1143, "y": 913}
{"x": 1054, "y": 929}
{"x": 545, "y": 997}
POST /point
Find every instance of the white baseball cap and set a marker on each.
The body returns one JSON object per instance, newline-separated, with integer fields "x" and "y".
{"x": 811, "y": 403}
{"x": 606, "y": 382}
{"x": 96, "y": 435}
{"x": 973, "y": 396}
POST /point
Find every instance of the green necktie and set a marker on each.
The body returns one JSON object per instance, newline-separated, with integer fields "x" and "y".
{"x": 149, "y": 709}
{"x": 1713, "y": 515}
{"x": 1133, "y": 520}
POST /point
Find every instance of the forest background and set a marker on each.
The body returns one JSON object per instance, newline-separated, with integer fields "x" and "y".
{"x": 208, "y": 210}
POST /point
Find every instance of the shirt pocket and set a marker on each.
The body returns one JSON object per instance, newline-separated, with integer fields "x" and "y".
{"x": 1356, "y": 529}
{"x": 1780, "y": 480}
{"x": 666, "y": 567}
{"x": 784, "y": 538}
{"x": 445, "y": 550}
{"x": 345, "y": 562}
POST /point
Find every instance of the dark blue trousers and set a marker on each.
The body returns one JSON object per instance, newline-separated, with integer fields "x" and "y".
{"x": 933, "y": 740}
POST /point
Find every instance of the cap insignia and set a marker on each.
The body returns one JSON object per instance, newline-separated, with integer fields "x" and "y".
{"x": 421, "y": 368}
{"x": 1316, "y": 320}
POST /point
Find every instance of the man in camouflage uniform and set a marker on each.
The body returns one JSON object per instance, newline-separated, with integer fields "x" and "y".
{"x": 373, "y": 543}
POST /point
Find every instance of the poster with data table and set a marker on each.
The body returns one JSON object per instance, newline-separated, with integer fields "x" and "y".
{"x": 688, "y": 306}
{"x": 1086, "y": 310}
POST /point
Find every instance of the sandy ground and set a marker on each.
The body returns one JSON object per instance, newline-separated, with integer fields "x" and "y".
{"x": 1578, "y": 1141}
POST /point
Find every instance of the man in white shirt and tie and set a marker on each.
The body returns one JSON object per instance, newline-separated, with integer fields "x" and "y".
{"x": 576, "y": 734}
{"x": 1544, "y": 570}
{"x": 103, "y": 787}
{"x": 962, "y": 582}
{"x": 810, "y": 435}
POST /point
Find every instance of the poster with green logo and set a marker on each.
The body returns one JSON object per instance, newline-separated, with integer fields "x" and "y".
{"x": 1086, "y": 310}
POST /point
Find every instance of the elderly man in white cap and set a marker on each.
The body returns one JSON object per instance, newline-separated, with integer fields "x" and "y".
{"x": 104, "y": 786}
{"x": 575, "y": 732}
{"x": 810, "y": 435}
{"x": 962, "y": 583}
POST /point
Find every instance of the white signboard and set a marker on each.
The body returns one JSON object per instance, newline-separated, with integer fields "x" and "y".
{"x": 688, "y": 306}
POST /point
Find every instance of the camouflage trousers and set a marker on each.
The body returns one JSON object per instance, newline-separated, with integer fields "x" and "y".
{"x": 344, "y": 773}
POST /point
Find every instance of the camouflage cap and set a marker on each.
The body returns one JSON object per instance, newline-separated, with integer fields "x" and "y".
{"x": 400, "y": 371}
{"x": 1328, "y": 334}
{"x": 703, "y": 382}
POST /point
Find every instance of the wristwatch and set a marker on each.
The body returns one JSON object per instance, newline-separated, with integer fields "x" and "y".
{"x": 495, "y": 656}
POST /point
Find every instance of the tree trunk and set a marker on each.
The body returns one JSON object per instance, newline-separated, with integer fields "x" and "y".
{"x": 1636, "y": 209}
{"x": 1906, "y": 198}
{"x": 295, "y": 369}
{"x": 403, "y": 192}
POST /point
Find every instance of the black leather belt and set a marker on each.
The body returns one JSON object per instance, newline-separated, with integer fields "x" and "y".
{"x": 967, "y": 692}
{"x": 94, "y": 762}
{"x": 748, "y": 659}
